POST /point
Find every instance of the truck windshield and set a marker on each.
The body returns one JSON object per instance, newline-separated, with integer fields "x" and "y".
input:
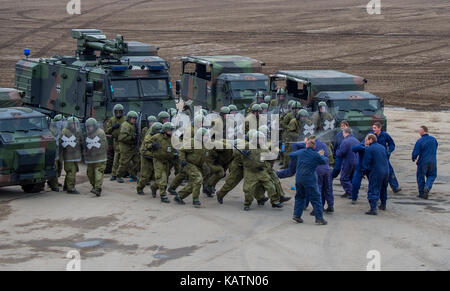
{"x": 139, "y": 88}
{"x": 251, "y": 87}
{"x": 23, "y": 124}
{"x": 371, "y": 105}
{"x": 154, "y": 88}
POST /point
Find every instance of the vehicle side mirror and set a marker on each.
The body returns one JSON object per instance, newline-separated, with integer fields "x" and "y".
{"x": 89, "y": 88}
{"x": 382, "y": 102}
{"x": 178, "y": 87}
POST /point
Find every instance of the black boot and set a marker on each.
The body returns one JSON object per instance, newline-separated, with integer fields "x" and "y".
{"x": 196, "y": 203}
{"x": 297, "y": 219}
{"x": 321, "y": 222}
{"x": 346, "y": 195}
{"x": 164, "y": 199}
{"x": 397, "y": 190}
{"x": 312, "y": 213}
{"x": 179, "y": 200}
{"x": 154, "y": 192}
{"x": 262, "y": 201}
{"x": 371, "y": 212}
{"x": 382, "y": 207}
{"x": 277, "y": 205}
{"x": 120, "y": 180}
{"x": 329, "y": 210}
{"x": 172, "y": 191}
{"x": 246, "y": 207}
{"x": 113, "y": 178}
{"x": 140, "y": 192}
{"x": 219, "y": 199}
{"x": 284, "y": 199}
{"x": 73, "y": 191}
{"x": 426, "y": 192}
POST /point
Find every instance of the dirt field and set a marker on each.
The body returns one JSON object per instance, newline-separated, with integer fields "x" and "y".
{"x": 124, "y": 231}
{"x": 404, "y": 52}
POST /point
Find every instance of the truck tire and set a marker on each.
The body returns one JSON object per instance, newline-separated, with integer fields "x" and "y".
{"x": 33, "y": 188}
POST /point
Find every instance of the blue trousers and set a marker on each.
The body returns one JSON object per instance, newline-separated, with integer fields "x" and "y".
{"x": 426, "y": 174}
{"x": 304, "y": 190}
{"x": 356, "y": 184}
{"x": 378, "y": 184}
{"x": 393, "y": 182}
{"x": 326, "y": 189}
{"x": 346, "y": 177}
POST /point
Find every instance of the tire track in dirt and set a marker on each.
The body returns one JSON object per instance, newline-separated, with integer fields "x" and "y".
{"x": 46, "y": 26}
{"x": 86, "y": 23}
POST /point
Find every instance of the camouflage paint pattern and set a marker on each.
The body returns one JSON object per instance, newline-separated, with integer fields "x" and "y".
{"x": 204, "y": 85}
{"x": 10, "y": 98}
{"x": 62, "y": 84}
{"x": 26, "y": 156}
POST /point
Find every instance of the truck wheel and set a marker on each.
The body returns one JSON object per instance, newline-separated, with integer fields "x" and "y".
{"x": 33, "y": 188}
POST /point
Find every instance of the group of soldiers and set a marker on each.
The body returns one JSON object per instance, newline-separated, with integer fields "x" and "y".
{"x": 149, "y": 157}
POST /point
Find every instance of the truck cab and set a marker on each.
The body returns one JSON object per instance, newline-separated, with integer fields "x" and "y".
{"x": 215, "y": 81}
{"x": 344, "y": 94}
{"x": 101, "y": 74}
{"x": 27, "y": 149}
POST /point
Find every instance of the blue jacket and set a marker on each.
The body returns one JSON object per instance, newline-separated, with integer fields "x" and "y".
{"x": 425, "y": 149}
{"x": 359, "y": 149}
{"x": 345, "y": 151}
{"x": 291, "y": 169}
{"x": 307, "y": 162}
{"x": 376, "y": 162}
{"x": 386, "y": 141}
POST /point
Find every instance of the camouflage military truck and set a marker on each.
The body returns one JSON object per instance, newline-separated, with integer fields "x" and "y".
{"x": 343, "y": 93}
{"x": 10, "y": 97}
{"x": 101, "y": 74}
{"x": 27, "y": 149}
{"x": 215, "y": 81}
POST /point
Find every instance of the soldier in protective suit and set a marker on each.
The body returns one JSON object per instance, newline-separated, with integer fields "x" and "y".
{"x": 259, "y": 98}
{"x": 95, "y": 155}
{"x": 71, "y": 141}
{"x": 163, "y": 156}
{"x": 112, "y": 128}
{"x": 192, "y": 161}
{"x": 163, "y": 117}
{"x": 128, "y": 148}
{"x": 151, "y": 120}
{"x": 147, "y": 171}
{"x": 324, "y": 121}
{"x": 56, "y": 128}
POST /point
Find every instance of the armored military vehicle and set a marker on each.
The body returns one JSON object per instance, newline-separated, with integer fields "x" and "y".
{"x": 215, "y": 81}
{"x": 10, "y": 97}
{"x": 27, "y": 149}
{"x": 344, "y": 94}
{"x": 101, "y": 74}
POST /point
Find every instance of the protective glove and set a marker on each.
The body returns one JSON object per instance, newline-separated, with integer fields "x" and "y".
{"x": 183, "y": 163}
{"x": 116, "y": 126}
{"x": 155, "y": 146}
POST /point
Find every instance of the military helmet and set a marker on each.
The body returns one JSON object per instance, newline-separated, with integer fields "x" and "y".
{"x": 296, "y": 105}
{"x": 162, "y": 115}
{"x": 225, "y": 110}
{"x": 91, "y": 121}
{"x": 201, "y": 132}
{"x": 57, "y": 118}
{"x": 156, "y": 127}
{"x": 264, "y": 106}
{"x": 172, "y": 112}
{"x": 168, "y": 126}
{"x": 256, "y": 107}
{"x": 268, "y": 98}
{"x": 132, "y": 114}
{"x": 198, "y": 119}
{"x": 72, "y": 119}
{"x": 263, "y": 128}
{"x": 152, "y": 118}
{"x": 118, "y": 107}
{"x": 302, "y": 112}
{"x": 281, "y": 91}
{"x": 291, "y": 103}
{"x": 233, "y": 107}
{"x": 322, "y": 104}
{"x": 260, "y": 94}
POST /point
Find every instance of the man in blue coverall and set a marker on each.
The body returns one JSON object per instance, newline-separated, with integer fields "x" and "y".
{"x": 376, "y": 165}
{"x": 425, "y": 149}
{"x": 388, "y": 143}
{"x": 306, "y": 181}
{"x": 323, "y": 174}
{"x": 349, "y": 160}
{"x": 359, "y": 149}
